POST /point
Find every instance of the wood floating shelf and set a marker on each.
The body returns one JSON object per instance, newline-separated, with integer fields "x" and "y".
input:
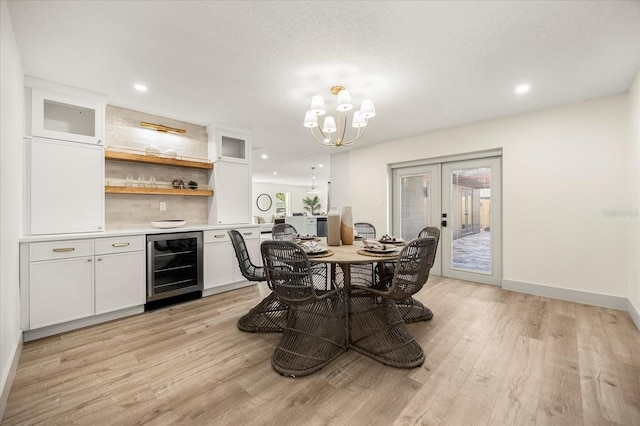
{"x": 153, "y": 159}
{"x": 158, "y": 191}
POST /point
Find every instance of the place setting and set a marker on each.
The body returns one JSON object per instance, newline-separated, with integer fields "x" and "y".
{"x": 377, "y": 249}
{"x": 305, "y": 237}
{"x": 315, "y": 250}
{"x": 389, "y": 239}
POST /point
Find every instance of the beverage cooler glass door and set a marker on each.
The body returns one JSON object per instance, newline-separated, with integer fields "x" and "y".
{"x": 174, "y": 264}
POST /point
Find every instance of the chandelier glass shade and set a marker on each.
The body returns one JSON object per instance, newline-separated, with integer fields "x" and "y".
{"x": 334, "y": 130}
{"x": 313, "y": 189}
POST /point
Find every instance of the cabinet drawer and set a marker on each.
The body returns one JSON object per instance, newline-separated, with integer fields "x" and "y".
{"x": 60, "y": 250}
{"x": 216, "y": 236}
{"x": 120, "y": 244}
{"x": 250, "y": 233}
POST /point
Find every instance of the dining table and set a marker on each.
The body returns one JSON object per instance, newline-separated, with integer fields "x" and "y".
{"x": 374, "y": 326}
{"x": 347, "y": 255}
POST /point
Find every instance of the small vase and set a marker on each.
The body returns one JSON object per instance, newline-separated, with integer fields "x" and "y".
{"x": 333, "y": 227}
{"x": 346, "y": 226}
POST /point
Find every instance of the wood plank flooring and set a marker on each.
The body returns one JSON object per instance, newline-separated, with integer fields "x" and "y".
{"x": 493, "y": 358}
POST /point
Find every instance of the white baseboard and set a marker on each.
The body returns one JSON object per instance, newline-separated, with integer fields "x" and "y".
{"x": 13, "y": 368}
{"x": 634, "y": 312}
{"x": 578, "y": 296}
{"x": 39, "y": 333}
{"x": 226, "y": 287}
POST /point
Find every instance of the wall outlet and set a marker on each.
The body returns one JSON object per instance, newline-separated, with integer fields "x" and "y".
{"x": 163, "y": 206}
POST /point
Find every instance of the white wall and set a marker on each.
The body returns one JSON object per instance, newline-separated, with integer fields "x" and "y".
{"x": 11, "y": 190}
{"x": 561, "y": 172}
{"x": 340, "y": 183}
{"x": 296, "y": 193}
{"x": 634, "y": 187}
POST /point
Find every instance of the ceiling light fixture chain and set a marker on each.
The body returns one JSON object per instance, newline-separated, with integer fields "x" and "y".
{"x": 359, "y": 122}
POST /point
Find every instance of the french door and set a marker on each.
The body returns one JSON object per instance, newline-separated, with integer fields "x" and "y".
{"x": 463, "y": 199}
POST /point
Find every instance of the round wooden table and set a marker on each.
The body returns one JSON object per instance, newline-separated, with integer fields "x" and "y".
{"x": 347, "y": 255}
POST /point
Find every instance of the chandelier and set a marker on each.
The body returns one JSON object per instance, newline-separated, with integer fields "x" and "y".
{"x": 313, "y": 189}
{"x": 325, "y": 134}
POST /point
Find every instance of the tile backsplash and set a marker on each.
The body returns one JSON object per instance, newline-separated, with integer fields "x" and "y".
{"x": 122, "y": 211}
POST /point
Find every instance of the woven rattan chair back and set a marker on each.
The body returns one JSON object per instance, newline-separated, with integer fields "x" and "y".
{"x": 412, "y": 268}
{"x": 365, "y": 230}
{"x": 288, "y": 271}
{"x": 430, "y": 231}
{"x": 250, "y": 271}
{"x": 316, "y": 329}
{"x": 283, "y": 231}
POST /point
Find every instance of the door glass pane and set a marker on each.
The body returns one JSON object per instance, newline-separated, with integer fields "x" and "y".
{"x": 471, "y": 220}
{"x": 282, "y": 204}
{"x": 415, "y": 205}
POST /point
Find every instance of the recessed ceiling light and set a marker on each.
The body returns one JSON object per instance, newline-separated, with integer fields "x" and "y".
{"x": 264, "y": 156}
{"x": 275, "y": 173}
{"x": 140, "y": 87}
{"x": 523, "y": 88}
{"x": 320, "y": 165}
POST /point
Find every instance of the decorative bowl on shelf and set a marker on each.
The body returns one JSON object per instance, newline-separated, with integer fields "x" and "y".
{"x": 152, "y": 150}
{"x": 171, "y": 223}
{"x": 170, "y": 153}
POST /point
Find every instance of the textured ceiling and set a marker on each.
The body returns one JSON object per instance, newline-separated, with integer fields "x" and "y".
{"x": 255, "y": 65}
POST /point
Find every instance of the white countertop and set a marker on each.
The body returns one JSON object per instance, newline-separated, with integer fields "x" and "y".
{"x": 136, "y": 231}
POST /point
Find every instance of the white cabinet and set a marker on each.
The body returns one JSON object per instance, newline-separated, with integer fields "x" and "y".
{"x": 229, "y": 144}
{"x": 65, "y": 113}
{"x": 65, "y": 158}
{"x": 303, "y": 224}
{"x": 230, "y": 150}
{"x": 231, "y": 202}
{"x": 120, "y": 273}
{"x": 66, "y": 187}
{"x": 77, "y": 279}
{"x": 60, "y": 282}
{"x": 220, "y": 262}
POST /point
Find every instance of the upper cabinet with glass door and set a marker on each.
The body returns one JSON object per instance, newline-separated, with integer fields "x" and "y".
{"x": 60, "y": 112}
{"x": 231, "y": 145}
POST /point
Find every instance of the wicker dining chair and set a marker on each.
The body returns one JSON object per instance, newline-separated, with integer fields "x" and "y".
{"x": 270, "y": 314}
{"x": 410, "y": 309}
{"x": 365, "y": 230}
{"x": 376, "y": 327}
{"x": 316, "y": 329}
{"x": 430, "y": 231}
{"x": 283, "y": 231}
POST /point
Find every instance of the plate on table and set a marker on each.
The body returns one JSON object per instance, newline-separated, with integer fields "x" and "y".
{"x": 171, "y": 223}
{"x": 380, "y": 249}
{"x": 306, "y": 237}
{"x": 392, "y": 240}
{"x": 317, "y": 251}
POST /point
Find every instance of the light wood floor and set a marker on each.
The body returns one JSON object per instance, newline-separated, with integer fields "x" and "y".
{"x": 493, "y": 357}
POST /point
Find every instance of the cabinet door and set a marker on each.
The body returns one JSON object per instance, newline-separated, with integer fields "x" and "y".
{"x": 66, "y": 118}
{"x": 231, "y": 145}
{"x": 60, "y": 291}
{"x": 232, "y": 193}
{"x": 220, "y": 264}
{"x": 120, "y": 281}
{"x": 66, "y": 187}
{"x": 253, "y": 247}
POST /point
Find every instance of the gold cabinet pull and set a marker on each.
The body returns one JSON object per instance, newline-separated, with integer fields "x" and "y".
{"x": 247, "y": 233}
{"x": 219, "y": 235}
{"x": 63, "y": 250}
{"x": 120, "y": 244}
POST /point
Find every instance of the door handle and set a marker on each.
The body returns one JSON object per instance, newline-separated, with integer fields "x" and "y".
{"x": 443, "y": 223}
